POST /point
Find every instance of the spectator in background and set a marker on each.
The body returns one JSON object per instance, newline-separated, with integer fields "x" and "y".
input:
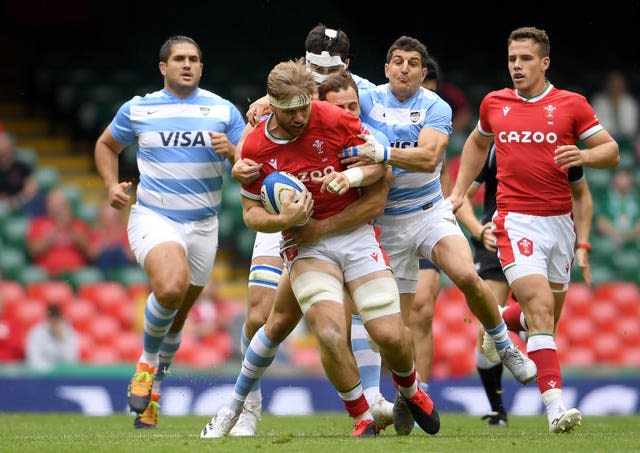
{"x": 11, "y": 336}
{"x": 617, "y": 109}
{"x": 206, "y": 318}
{"x": 52, "y": 342}
{"x": 452, "y": 94}
{"x": 109, "y": 247}
{"x": 58, "y": 241}
{"x": 18, "y": 187}
{"x": 618, "y": 215}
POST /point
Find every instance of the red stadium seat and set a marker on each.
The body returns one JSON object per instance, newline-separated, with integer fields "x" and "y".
{"x": 618, "y": 290}
{"x": 450, "y": 293}
{"x": 458, "y": 351}
{"x": 578, "y": 300}
{"x": 80, "y": 313}
{"x": 125, "y": 314}
{"x": 85, "y": 345}
{"x": 220, "y": 341}
{"x": 630, "y": 357}
{"x": 577, "y": 356}
{"x": 11, "y": 292}
{"x": 605, "y": 315}
{"x": 577, "y": 330}
{"x": 104, "y": 329}
{"x": 52, "y": 292}
{"x": 102, "y": 355}
{"x": 104, "y": 294}
{"x": 628, "y": 329}
{"x": 30, "y": 312}
{"x": 129, "y": 346}
{"x": 608, "y": 348}
{"x": 455, "y": 315}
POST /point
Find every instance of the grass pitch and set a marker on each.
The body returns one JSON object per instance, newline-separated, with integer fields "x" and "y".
{"x": 325, "y": 433}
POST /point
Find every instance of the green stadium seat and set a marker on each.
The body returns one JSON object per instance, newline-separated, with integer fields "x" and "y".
{"x": 12, "y": 262}
{"x": 87, "y": 212}
{"x": 127, "y": 276}
{"x": 47, "y": 178}
{"x": 74, "y": 195}
{"x": 87, "y": 274}
{"x": 601, "y": 273}
{"x": 27, "y": 155}
{"x": 14, "y": 231}
{"x": 31, "y": 274}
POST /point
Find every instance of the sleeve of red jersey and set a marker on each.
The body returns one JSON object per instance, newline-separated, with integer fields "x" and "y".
{"x": 483, "y": 123}
{"x": 251, "y": 150}
{"x": 584, "y": 115}
{"x": 352, "y": 128}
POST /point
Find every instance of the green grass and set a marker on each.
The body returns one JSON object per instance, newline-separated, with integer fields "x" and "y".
{"x": 326, "y": 433}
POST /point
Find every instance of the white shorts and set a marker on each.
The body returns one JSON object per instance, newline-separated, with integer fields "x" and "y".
{"x": 408, "y": 238}
{"x": 529, "y": 244}
{"x": 199, "y": 239}
{"x": 266, "y": 244}
{"x": 356, "y": 252}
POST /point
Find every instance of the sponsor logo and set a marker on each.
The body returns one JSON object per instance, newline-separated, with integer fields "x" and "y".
{"x": 505, "y": 110}
{"x": 205, "y": 110}
{"x": 273, "y": 163}
{"x": 374, "y": 255}
{"x": 184, "y": 138}
{"x": 527, "y": 137}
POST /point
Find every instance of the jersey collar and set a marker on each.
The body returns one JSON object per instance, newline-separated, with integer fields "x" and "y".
{"x": 548, "y": 87}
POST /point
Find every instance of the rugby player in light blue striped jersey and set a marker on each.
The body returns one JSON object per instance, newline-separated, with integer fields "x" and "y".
{"x": 183, "y": 135}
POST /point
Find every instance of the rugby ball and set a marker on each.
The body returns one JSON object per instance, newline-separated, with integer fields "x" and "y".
{"x": 276, "y": 187}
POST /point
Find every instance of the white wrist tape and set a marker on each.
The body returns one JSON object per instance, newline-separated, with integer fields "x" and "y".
{"x": 354, "y": 176}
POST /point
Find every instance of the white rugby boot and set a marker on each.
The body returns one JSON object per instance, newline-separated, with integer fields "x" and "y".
{"x": 564, "y": 422}
{"x": 382, "y": 411}
{"x": 521, "y": 366}
{"x": 247, "y": 423}
{"x": 220, "y": 425}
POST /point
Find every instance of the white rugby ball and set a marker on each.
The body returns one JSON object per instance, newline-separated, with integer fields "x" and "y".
{"x": 276, "y": 187}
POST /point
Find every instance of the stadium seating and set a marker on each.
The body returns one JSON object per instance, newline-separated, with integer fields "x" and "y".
{"x": 51, "y": 292}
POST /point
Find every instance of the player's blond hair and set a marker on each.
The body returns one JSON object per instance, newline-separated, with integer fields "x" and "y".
{"x": 290, "y": 79}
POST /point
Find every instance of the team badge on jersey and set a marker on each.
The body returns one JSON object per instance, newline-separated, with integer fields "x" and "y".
{"x": 525, "y": 246}
{"x": 205, "y": 110}
{"x": 319, "y": 147}
{"x": 549, "y": 109}
{"x": 415, "y": 117}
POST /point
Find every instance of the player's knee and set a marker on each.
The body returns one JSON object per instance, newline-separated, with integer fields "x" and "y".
{"x": 332, "y": 340}
{"x": 467, "y": 281}
{"x": 171, "y": 291}
{"x": 376, "y": 298}
{"x": 313, "y": 287}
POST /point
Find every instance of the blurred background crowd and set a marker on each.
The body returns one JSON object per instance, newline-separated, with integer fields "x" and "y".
{"x": 68, "y": 281}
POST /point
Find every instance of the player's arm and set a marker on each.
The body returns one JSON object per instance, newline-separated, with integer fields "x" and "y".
{"x": 424, "y": 157}
{"x": 244, "y": 170}
{"x": 601, "y": 152}
{"x": 107, "y": 151}
{"x": 368, "y": 206}
{"x": 341, "y": 181}
{"x": 292, "y": 213}
{"x": 257, "y": 109}
{"x": 582, "y": 215}
{"x": 474, "y": 155}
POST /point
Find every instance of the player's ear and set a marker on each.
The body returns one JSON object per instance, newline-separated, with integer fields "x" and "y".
{"x": 163, "y": 68}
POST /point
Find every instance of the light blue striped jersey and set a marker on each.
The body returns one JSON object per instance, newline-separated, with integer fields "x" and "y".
{"x": 180, "y": 172}
{"x": 402, "y": 122}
